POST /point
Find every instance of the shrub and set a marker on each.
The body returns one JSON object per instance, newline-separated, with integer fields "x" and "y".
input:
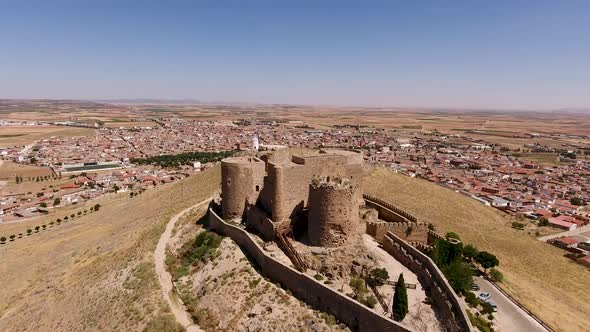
{"x": 518, "y": 225}
{"x": 370, "y": 301}
{"x": 471, "y": 299}
{"x": 543, "y": 221}
{"x": 358, "y": 286}
{"x": 496, "y": 275}
{"x": 318, "y": 277}
{"x": 378, "y": 276}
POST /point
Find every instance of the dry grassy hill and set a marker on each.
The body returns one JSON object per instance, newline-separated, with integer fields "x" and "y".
{"x": 96, "y": 273}
{"x": 537, "y": 274}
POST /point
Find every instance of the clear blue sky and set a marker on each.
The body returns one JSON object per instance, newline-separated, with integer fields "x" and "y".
{"x": 464, "y": 54}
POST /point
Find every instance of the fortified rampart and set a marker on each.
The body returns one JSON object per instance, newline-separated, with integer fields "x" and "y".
{"x": 357, "y": 316}
{"x": 432, "y": 279}
{"x": 409, "y": 231}
{"x": 387, "y": 211}
{"x": 241, "y": 181}
{"x": 286, "y": 186}
{"x": 333, "y": 212}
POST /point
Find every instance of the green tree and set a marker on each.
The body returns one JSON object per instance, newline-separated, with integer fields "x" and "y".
{"x": 29, "y": 231}
{"x": 43, "y": 205}
{"x": 453, "y": 235}
{"x": 543, "y": 221}
{"x": 486, "y": 260}
{"x": 359, "y": 288}
{"x": 399, "y": 308}
{"x": 470, "y": 252}
{"x": 37, "y": 229}
{"x": 56, "y": 201}
{"x": 3, "y": 239}
{"x": 96, "y": 207}
{"x": 12, "y": 237}
{"x": 496, "y": 275}
{"x": 576, "y": 201}
{"x": 459, "y": 275}
{"x": 378, "y": 277}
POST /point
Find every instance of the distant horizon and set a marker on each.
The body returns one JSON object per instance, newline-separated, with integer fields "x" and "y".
{"x": 191, "y": 101}
{"x": 498, "y": 55}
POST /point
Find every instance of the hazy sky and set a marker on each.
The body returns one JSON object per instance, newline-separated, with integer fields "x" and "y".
{"x": 468, "y": 54}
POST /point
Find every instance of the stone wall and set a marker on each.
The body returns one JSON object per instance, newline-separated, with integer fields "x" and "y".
{"x": 418, "y": 233}
{"x": 431, "y": 278}
{"x": 387, "y": 211}
{"x": 259, "y": 221}
{"x": 286, "y": 190}
{"x": 357, "y": 316}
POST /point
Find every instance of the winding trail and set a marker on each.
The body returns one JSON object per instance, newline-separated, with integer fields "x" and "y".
{"x": 176, "y": 306}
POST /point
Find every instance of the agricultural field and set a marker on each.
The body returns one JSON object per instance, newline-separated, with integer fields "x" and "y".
{"x": 9, "y": 170}
{"x": 536, "y": 274}
{"x": 11, "y": 136}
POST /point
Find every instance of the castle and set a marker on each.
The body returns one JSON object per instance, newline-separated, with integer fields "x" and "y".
{"x": 314, "y": 197}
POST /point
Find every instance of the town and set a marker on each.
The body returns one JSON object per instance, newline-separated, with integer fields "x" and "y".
{"x": 547, "y": 198}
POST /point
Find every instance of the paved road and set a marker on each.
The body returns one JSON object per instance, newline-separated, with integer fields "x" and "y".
{"x": 175, "y": 303}
{"x": 509, "y": 316}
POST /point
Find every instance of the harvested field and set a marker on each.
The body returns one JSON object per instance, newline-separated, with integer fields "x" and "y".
{"x": 96, "y": 273}
{"x": 537, "y": 274}
{"x": 9, "y": 170}
{"x": 23, "y": 135}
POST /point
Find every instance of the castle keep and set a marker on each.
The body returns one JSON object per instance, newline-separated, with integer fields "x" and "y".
{"x": 314, "y": 196}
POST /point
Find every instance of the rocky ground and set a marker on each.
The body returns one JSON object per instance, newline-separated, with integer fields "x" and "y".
{"x": 228, "y": 293}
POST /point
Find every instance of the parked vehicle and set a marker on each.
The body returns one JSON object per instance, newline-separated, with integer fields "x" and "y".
{"x": 484, "y": 296}
{"x": 494, "y": 306}
{"x": 475, "y": 287}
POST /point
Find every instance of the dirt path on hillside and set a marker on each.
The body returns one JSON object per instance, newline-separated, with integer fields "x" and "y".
{"x": 176, "y": 305}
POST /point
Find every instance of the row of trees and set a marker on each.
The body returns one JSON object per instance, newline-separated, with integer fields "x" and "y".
{"x": 455, "y": 261}
{"x": 186, "y": 158}
{"x": 58, "y": 221}
{"x": 20, "y": 179}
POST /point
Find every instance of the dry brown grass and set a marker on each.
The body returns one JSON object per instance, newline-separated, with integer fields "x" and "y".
{"x": 9, "y": 170}
{"x": 95, "y": 273}
{"x": 23, "y": 135}
{"x": 537, "y": 274}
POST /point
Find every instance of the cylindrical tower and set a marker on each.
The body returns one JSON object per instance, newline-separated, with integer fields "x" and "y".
{"x": 333, "y": 212}
{"x": 242, "y": 179}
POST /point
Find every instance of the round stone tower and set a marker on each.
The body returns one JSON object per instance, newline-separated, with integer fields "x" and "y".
{"x": 333, "y": 212}
{"x": 242, "y": 179}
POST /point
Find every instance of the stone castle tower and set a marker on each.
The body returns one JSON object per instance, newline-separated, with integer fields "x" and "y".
{"x": 333, "y": 211}
{"x": 242, "y": 179}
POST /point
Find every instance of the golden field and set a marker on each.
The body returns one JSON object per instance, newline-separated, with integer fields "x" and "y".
{"x": 96, "y": 272}
{"x": 536, "y": 273}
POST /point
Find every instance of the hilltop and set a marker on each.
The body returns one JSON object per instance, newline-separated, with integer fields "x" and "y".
{"x": 96, "y": 272}
{"x": 537, "y": 274}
